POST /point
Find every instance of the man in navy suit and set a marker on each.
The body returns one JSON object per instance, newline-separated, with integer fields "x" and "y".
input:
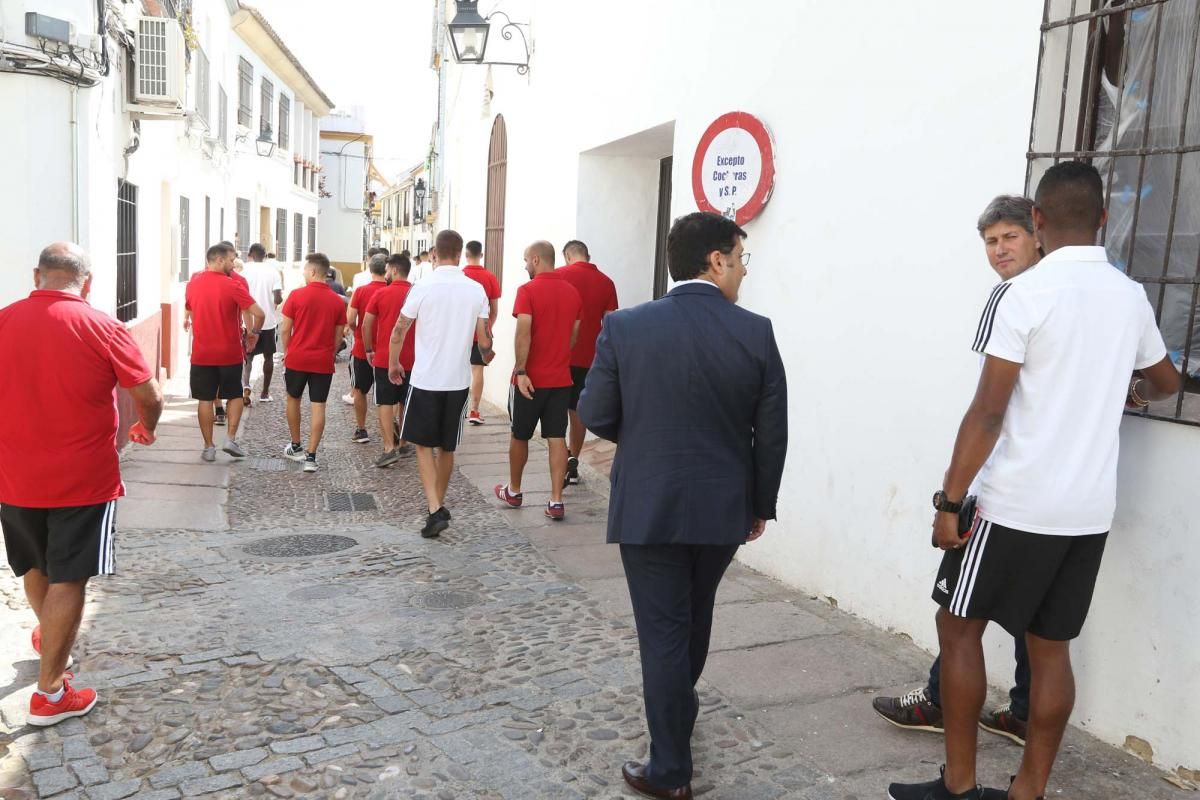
{"x": 692, "y": 389}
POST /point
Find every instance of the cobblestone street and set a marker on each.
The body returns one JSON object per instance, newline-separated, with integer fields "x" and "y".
{"x": 273, "y": 633}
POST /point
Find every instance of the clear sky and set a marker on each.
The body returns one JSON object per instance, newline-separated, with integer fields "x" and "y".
{"x": 371, "y": 53}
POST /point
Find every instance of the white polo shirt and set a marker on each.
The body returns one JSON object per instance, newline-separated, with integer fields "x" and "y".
{"x": 1079, "y": 328}
{"x": 446, "y": 305}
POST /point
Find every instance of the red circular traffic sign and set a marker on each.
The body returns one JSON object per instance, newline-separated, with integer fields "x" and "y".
{"x": 733, "y": 172}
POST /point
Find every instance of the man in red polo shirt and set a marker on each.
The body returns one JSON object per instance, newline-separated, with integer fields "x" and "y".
{"x": 491, "y": 287}
{"x": 599, "y": 295}
{"x": 547, "y": 309}
{"x": 314, "y": 319}
{"x": 218, "y": 305}
{"x": 381, "y": 317}
{"x": 59, "y": 470}
{"x": 361, "y": 371}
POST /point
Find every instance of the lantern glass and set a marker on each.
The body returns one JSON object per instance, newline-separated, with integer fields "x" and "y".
{"x": 469, "y": 33}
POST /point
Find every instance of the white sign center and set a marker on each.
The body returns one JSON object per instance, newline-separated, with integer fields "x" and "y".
{"x": 732, "y": 168}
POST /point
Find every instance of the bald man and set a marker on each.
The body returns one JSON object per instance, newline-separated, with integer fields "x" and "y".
{"x": 58, "y": 498}
{"x": 547, "y": 309}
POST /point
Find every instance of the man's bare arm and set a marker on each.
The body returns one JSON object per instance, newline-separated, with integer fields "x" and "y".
{"x": 1159, "y": 382}
{"x": 523, "y": 339}
{"x": 254, "y": 317}
{"x": 285, "y": 333}
{"x": 148, "y": 398}
{"x": 574, "y": 334}
{"x": 368, "y": 332}
{"x": 338, "y": 334}
{"x": 980, "y": 428}
{"x": 493, "y": 306}
{"x": 396, "y": 343}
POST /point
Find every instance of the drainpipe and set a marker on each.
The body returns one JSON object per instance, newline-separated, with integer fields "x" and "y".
{"x": 75, "y": 189}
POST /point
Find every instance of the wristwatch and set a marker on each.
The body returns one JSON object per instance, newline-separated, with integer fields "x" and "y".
{"x": 942, "y": 503}
{"x": 520, "y": 372}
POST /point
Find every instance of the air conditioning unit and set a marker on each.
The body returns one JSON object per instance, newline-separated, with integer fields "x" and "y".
{"x": 159, "y": 67}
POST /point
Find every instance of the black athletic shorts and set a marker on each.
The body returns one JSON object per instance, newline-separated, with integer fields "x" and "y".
{"x": 64, "y": 544}
{"x": 578, "y": 378}
{"x": 362, "y": 374}
{"x": 265, "y": 346}
{"x": 1024, "y": 581}
{"x": 476, "y": 356}
{"x": 434, "y": 419}
{"x": 318, "y": 384}
{"x": 211, "y": 383}
{"x": 388, "y": 393}
{"x": 548, "y": 406}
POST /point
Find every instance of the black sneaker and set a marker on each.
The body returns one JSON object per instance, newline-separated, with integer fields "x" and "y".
{"x": 914, "y": 711}
{"x": 435, "y": 523}
{"x": 443, "y": 513}
{"x": 572, "y": 472}
{"x": 361, "y": 436}
{"x": 220, "y": 417}
{"x": 936, "y": 790}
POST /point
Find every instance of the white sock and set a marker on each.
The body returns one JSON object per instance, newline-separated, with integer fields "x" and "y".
{"x": 56, "y": 696}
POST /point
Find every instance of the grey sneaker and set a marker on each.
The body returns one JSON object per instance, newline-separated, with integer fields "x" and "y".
{"x": 209, "y": 454}
{"x": 310, "y": 463}
{"x": 387, "y": 458}
{"x": 234, "y": 449}
{"x": 293, "y": 452}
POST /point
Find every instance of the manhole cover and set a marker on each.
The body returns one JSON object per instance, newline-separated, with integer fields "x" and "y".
{"x": 350, "y": 501}
{"x": 300, "y": 545}
{"x": 322, "y": 592}
{"x": 445, "y": 599}
{"x": 267, "y": 464}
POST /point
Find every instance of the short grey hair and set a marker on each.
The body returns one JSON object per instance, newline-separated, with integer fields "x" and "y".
{"x": 67, "y": 259}
{"x": 1007, "y": 208}
{"x": 378, "y": 264}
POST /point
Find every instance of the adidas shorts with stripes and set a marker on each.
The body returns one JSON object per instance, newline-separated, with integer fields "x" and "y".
{"x": 64, "y": 544}
{"x": 1022, "y": 581}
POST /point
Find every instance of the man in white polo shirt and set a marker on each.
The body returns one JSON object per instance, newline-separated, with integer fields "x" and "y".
{"x": 265, "y": 283}
{"x": 1038, "y": 447}
{"x": 453, "y": 310}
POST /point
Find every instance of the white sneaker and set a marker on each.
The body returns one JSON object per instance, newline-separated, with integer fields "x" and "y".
{"x": 294, "y": 453}
{"x": 209, "y": 454}
{"x": 348, "y": 399}
{"x": 310, "y": 463}
{"x": 234, "y": 449}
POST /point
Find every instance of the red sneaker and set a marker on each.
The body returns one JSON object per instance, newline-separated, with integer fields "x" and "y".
{"x": 556, "y": 511}
{"x": 507, "y": 497}
{"x": 474, "y": 418}
{"x": 74, "y": 703}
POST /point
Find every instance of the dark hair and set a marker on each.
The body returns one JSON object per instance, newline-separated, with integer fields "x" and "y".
{"x": 219, "y": 250}
{"x": 424, "y": 253}
{"x": 256, "y": 252}
{"x": 69, "y": 259}
{"x": 694, "y": 237}
{"x": 270, "y": 255}
{"x": 401, "y": 264}
{"x": 374, "y": 251}
{"x": 320, "y": 259}
{"x": 448, "y": 244}
{"x": 578, "y": 247}
{"x": 378, "y": 264}
{"x": 1071, "y": 196}
{"x": 474, "y": 249}
{"x": 406, "y": 254}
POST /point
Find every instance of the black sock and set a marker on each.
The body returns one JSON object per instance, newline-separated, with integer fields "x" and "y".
{"x": 312, "y": 456}
{"x": 295, "y": 445}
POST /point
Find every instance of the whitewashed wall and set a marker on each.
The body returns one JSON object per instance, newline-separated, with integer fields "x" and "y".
{"x": 894, "y": 125}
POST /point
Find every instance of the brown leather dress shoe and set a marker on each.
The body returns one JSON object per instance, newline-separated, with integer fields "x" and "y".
{"x": 635, "y": 775}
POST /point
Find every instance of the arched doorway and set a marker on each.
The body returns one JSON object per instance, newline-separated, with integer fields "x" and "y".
{"x": 493, "y": 245}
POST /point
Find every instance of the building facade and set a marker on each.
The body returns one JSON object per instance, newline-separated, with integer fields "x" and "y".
{"x": 225, "y": 147}
{"x": 403, "y": 209}
{"x": 867, "y": 259}
{"x": 347, "y": 207}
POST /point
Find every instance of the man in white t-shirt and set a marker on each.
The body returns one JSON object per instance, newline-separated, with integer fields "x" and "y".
{"x": 422, "y": 267}
{"x": 453, "y": 311}
{"x": 1038, "y": 446}
{"x": 363, "y": 276}
{"x": 265, "y": 283}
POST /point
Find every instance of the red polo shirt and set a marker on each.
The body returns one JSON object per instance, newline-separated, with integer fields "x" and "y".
{"x": 555, "y": 306}
{"x": 385, "y": 305}
{"x": 58, "y": 428}
{"x": 599, "y": 295}
{"x": 215, "y": 301}
{"x": 315, "y": 311}
{"x": 360, "y": 301}
{"x": 483, "y": 276}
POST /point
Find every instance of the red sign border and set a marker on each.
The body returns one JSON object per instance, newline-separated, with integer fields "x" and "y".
{"x": 766, "y": 146}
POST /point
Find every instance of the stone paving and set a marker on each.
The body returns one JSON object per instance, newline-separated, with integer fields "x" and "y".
{"x": 257, "y": 643}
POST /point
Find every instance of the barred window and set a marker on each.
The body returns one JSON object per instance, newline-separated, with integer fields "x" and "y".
{"x": 285, "y": 121}
{"x": 127, "y": 251}
{"x": 245, "y": 92}
{"x": 298, "y": 236}
{"x": 185, "y": 241}
{"x": 267, "y": 104}
{"x": 1117, "y": 87}
{"x": 222, "y": 116}
{"x": 312, "y": 234}
{"x": 203, "y": 91}
{"x": 281, "y": 232}
{"x": 243, "y": 226}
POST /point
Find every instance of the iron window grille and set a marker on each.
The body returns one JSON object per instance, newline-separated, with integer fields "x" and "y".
{"x": 266, "y": 101}
{"x": 1117, "y": 87}
{"x": 243, "y": 225}
{"x": 207, "y": 223}
{"x": 281, "y": 225}
{"x": 184, "y": 239}
{"x": 312, "y": 234}
{"x": 222, "y": 116}
{"x": 203, "y": 90}
{"x": 285, "y": 122}
{"x": 245, "y": 92}
{"x": 298, "y": 236}
{"x": 127, "y": 254}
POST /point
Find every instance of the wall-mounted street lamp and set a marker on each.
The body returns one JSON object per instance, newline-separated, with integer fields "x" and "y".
{"x": 419, "y": 193}
{"x": 264, "y": 142}
{"x": 469, "y": 35}
{"x": 387, "y": 223}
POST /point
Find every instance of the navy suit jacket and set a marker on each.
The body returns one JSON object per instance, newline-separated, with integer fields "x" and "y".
{"x": 692, "y": 389}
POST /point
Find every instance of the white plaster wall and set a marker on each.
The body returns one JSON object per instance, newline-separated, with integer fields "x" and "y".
{"x": 342, "y": 214}
{"x": 889, "y": 143}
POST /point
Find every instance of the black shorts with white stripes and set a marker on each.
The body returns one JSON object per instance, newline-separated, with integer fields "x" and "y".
{"x": 434, "y": 419}
{"x": 64, "y": 544}
{"x": 1023, "y": 581}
